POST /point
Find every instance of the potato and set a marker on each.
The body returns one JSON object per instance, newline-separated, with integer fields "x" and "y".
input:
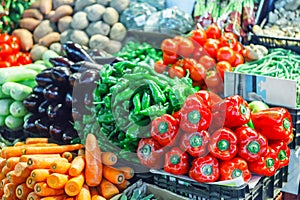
{"x": 57, "y": 3}
{"x": 35, "y": 4}
{"x": 79, "y": 37}
{"x": 111, "y": 16}
{"x": 37, "y": 52}
{"x": 61, "y": 11}
{"x": 103, "y": 2}
{"x": 43, "y": 29}
{"x": 94, "y": 12}
{"x": 26, "y": 38}
{"x": 98, "y": 42}
{"x": 64, "y": 23}
{"x": 32, "y": 13}
{"x": 80, "y": 20}
{"x": 80, "y": 4}
{"x": 50, "y": 38}
{"x": 57, "y": 47}
{"x": 46, "y": 6}
{"x": 118, "y": 32}
{"x": 98, "y": 27}
{"x": 29, "y": 23}
{"x": 119, "y": 5}
{"x": 113, "y": 47}
{"x": 65, "y": 36}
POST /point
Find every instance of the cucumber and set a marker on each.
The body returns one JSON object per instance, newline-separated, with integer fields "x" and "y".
{"x": 30, "y": 83}
{"x": 16, "y": 74}
{"x": 2, "y": 120}
{"x": 6, "y": 87}
{"x": 14, "y": 123}
{"x": 36, "y": 67}
{"x": 2, "y": 95}
{"x": 39, "y": 62}
{"x": 19, "y": 92}
{"x": 17, "y": 109}
{"x": 4, "y": 106}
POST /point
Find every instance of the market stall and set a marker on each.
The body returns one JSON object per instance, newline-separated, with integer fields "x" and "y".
{"x": 136, "y": 99}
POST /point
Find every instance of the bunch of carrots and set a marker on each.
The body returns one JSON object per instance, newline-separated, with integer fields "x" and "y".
{"x": 36, "y": 169}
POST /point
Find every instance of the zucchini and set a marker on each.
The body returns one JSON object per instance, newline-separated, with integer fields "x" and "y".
{"x": 17, "y": 109}
{"x": 2, "y": 95}
{"x": 19, "y": 92}
{"x": 2, "y": 120}
{"x": 16, "y": 74}
{"x": 14, "y": 123}
{"x": 30, "y": 83}
{"x": 35, "y": 66}
{"x": 4, "y": 106}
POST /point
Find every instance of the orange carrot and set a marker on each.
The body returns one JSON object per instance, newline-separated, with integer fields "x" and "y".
{"x": 42, "y": 162}
{"x": 22, "y": 191}
{"x": 2, "y": 162}
{"x": 33, "y": 196}
{"x": 1, "y": 192}
{"x": 127, "y": 171}
{"x": 95, "y": 195}
{"x": 113, "y": 175}
{"x": 22, "y": 170}
{"x": 93, "y": 169}
{"x": 74, "y": 185}
{"x": 30, "y": 182}
{"x": 5, "y": 170}
{"x": 51, "y": 149}
{"x": 2, "y": 176}
{"x": 8, "y": 152}
{"x": 3, "y": 182}
{"x": 19, "y": 144}
{"x": 84, "y": 193}
{"x": 68, "y": 155}
{"x": 57, "y": 181}
{"x": 11, "y": 162}
{"x": 39, "y": 145}
{"x": 13, "y": 178}
{"x": 123, "y": 185}
{"x": 9, "y": 191}
{"x": 70, "y": 198}
{"x": 36, "y": 140}
{"x": 24, "y": 158}
{"x": 60, "y": 167}
{"x": 77, "y": 166}
{"x": 43, "y": 190}
{"x": 81, "y": 152}
{"x": 109, "y": 158}
{"x": 40, "y": 175}
{"x": 58, "y": 197}
{"x": 108, "y": 189}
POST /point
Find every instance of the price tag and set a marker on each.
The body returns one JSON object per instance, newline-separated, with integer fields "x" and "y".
{"x": 168, "y": 13}
{"x": 140, "y": 20}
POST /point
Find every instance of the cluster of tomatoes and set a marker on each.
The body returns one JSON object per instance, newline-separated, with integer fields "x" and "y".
{"x": 205, "y": 54}
{"x": 10, "y": 52}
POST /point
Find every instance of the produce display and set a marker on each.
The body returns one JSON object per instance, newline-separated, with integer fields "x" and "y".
{"x": 37, "y": 169}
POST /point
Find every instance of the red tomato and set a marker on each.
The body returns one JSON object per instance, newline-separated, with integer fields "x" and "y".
{"x": 4, "y": 38}
{"x": 198, "y": 36}
{"x": 186, "y": 47}
{"x": 176, "y": 71}
{"x": 228, "y": 40}
{"x": 199, "y": 52}
{"x": 5, "y": 50}
{"x": 211, "y": 47}
{"x": 160, "y": 66}
{"x": 226, "y": 54}
{"x": 169, "y": 58}
{"x": 15, "y": 44}
{"x": 223, "y": 66}
{"x": 187, "y": 63}
{"x": 169, "y": 46}
{"x": 198, "y": 73}
{"x": 24, "y": 58}
{"x": 212, "y": 79}
{"x": 238, "y": 48}
{"x": 213, "y": 31}
{"x": 239, "y": 59}
{"x": 12, "y": 59}
{"x": 4, "y": 64}
{"x": 207, "y": 61}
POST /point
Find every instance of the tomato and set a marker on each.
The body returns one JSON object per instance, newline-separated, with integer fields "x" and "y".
{"x": 198, "y": 36}
{"x": 211, "y": 47}
{"x": 239, "y": 59}
{"x": 4, "y": 64}
{"x": 226, "y": 54}
{"x": 238, "y": 48}
{"x": 5, "y": 50}
{"x": 213, "y": 31}
{"x": 187, "y": 63}
{"x": 231, "y": 35}
{"x": 199, "y": 52}
{"x": 228, "y": 40}
{"x": 15, "y": 44}
{"x": 186, "y": 47}
{"x": 24, "y": 58}
{"x": 160, "y": 66}
{"x": 12, "y": 59}
{"x": 4, "y": 38}
{"x": 207, "y": 61}
{"x": 198, "y": 73}
{"x": 223, "y": 66}
{"x": 169, "y": 46}
{"x": 176, "y": 71}
{"x": 169, "y": 58}
{"x": 212, "y": 79}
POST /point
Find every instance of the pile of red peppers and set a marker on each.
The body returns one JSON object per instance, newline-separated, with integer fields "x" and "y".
{"x": 213, "y": 139}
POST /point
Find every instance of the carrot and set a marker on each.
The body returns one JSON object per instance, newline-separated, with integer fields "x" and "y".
{"x": 1, "y": 192}
{"x": 123, "y": 185}
{"x": 113, "y": 175}
{"x": 24, "y": 158}
{"x": 2, "y": 162}
{"x": 3, "y": 183}
{"x": 2, "y": 176}
{"x": 51, "y": 149}
{"x": 127, "y": 171}
{"x": 22, "y": 191}
{"x": 22, "y": 170}
{"x": 5, "y": 170}
{"x": 40, "y": 175}
{"x": 19, "y": 144}
{"x": 74, "y": 185}
{"x": 11, "y": 162}
{"x": 33, "y": 196}
{"x": 77, "y": 166}
{"x": 43, "y": 190}
{"x": 30, "y": 182}
{"x": 60, "y": 167}
{"x": 108, "y": 189}
{"x": 93, "y": 169}
{"x": 36, "y": 140}
{"x": 68, "y": 155}
{"x": 42, "y": 162}
{"x": 58, "y": 197}
{"x": 39, "y": 145}
{"x": 9, "y": 191}
{"x": 57, "y": 181}
{"x": 109, "y": 158}
{"x": 81, "y": 152}
{"x": 13, "y": 178}
{"x": 84, "y": 193}
{"x": 95, "y": 195}
{"x": 70, "y": 198}
{"x": 8, "y": 152}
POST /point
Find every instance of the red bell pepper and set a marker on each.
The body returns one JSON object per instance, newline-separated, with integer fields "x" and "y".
{"x": 194, "y": 115}
{"x": 195, "y": 143}
{"x": 205, "y": 169}
{"x": 150, "y": 153}
{"x": 266, "y": 165}
{"x": 283, "y": 152}
{"x": 223, "y": 144}
{"x": 176, "y": 161}
{"x": 274, "y": 123}
{"x": 251, "y": 144}
{"x": 164, "y": 129}
{"x": 234, "y": 168}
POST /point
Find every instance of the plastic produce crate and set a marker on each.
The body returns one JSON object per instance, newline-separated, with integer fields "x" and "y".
{"x": 295, "y": 113}
{"x": 266, "y": 188}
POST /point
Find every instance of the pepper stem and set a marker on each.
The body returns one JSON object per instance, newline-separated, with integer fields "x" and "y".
{"x": 282, "y": 155}
{"x": 243, "y": 109}
{"x": 253, "y": 147}
{"x": 236, "y": 173}
{"x": 196, "y": 141}
{"x": 223, "y": 145}
{"x": 163, "y": 127}
{"x": 207, "y": 170}
{"x": 175, "y": 159}
{"x": 194, "y": 116}
{"x": 286, "y": 123}
{"x": 146, "y": 150}
{"x": 270, "y": 162}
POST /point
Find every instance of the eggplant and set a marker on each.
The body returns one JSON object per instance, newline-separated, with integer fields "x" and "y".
{"x": 32, "y": 103}
{"x": 53, "y": 93}
{"x": 89, "y": 77}
{"x": 75, "y": 52}
{"x": 38, "y": 90}
{"x": 29, "y": 124}
{"x": 68, "y": 100}
{"x": 69, "y": 134}
{"x": 61, "y": 62}
{"x": 74, "y": 79}
{"x": 43, "y": 107}
{"x": 61, "y": 75}
{"x": 46, "y": 73}
{"x": 57, "y": 112}
{"x": 41, "y": 81}
{"x": 42, "y": 125}
{"x": 56, "y": 131}
{"x": 76, "y": 67}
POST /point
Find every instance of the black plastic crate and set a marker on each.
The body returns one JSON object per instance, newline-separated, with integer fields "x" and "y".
{"x": 266, "y": 188}
{"x": 295, "y": 113}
